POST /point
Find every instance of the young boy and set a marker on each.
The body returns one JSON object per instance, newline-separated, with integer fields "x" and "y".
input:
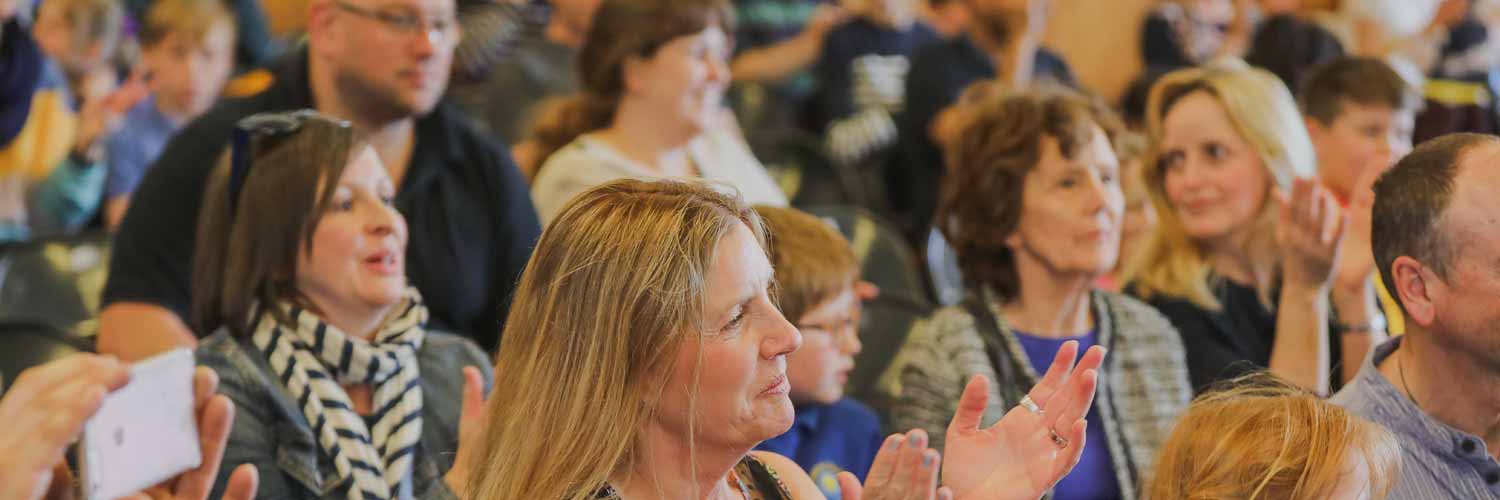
{"x": 1359, "y": 113}
{"x": 816, "y": 274}
{"x": 862, "y": 75}
{"x": 187, "y": 56}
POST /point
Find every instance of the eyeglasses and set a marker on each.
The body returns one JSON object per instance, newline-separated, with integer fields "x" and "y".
{"x": 438, "y": 31}
{"x": 258, "y": 126}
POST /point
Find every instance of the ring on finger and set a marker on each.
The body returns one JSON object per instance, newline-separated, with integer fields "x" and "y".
{"x": 1030, "y": 405}
{"x": 1057, "y": 439}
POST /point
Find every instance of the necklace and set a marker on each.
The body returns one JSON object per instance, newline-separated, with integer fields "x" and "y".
{"x": 1401, "y": 371}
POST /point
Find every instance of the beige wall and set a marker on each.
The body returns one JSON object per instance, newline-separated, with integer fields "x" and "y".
{"x": 1100, "y": 39}
{"x": 286, "y": 16}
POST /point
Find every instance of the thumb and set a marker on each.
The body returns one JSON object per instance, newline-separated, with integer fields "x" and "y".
{"x": 849, "y": 487}
{"x": 242, "y": 483}
{"x": 971, "y": 405}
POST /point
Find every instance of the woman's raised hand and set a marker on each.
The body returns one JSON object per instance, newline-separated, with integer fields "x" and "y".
{"x": 1034, "y": 445}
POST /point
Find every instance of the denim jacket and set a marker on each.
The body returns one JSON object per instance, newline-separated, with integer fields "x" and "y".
{"x": 271, "y": 433}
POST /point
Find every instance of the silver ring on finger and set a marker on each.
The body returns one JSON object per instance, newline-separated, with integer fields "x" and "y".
{"x": 1030, "y": 405}
{"x": 1057, "y": 439}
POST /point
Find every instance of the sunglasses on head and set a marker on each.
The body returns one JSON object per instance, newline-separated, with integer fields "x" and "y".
{"x": 263, "y": 125}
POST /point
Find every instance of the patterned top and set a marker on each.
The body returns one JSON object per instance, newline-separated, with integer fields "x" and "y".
{"x": 1143, "y": 384}
{"x": 1437, "y": 461}
{"x": 755, "y": 480}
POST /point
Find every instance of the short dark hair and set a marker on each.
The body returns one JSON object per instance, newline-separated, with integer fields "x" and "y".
{"x": 1289, "y": 46}
{"x": 1410, "y": 200}
{"x": 247, "y": 253}
{"x": 1361, "y": 80}
{"x": 999, "y": 145}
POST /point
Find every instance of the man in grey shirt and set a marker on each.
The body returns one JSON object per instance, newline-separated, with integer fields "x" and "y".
{"x": 1436, "y": 238}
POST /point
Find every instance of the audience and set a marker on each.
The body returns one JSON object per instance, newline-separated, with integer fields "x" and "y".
{"x": 1434, "y": 387}
{"x": 861, "y": 74}
{"x": 253, "y": 45}
{"x": 1289, "y": 47}
{"x": 776, "y": 43}
{"x": 1033, "y": 209}
{"x": 543, "y": 64}
{"x": 1003, "y": 40}
{"x": 641, "y": 366}
{"x": 383, "y": 67}
{"x": 1140, "y": 216}
{"x": 46, "y": 408}
{"x": 1184, "y": 33}
{"x": 1359, "y": 113}
{"x": 187, "y": 49}
{"x": 1260, "y": 439}
{"x": 651, "y": 106}
{"x": 300, "y": 276}
{"x": 949, "y": 18}
{"x": 1247, "y": 247}
{"x": 815, "y": 275}
{"x": 61, "y": 102}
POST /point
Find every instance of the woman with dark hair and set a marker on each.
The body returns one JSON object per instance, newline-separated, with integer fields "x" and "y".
{"x": 316, "y": 335}
{"x": 653, "y": 75}
{"x": 1033, "y": 206}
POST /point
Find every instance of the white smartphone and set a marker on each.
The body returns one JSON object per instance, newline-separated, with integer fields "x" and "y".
{"x": 144, "y": 433}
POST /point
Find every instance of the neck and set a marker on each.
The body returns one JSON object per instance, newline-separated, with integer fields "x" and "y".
{"x": 639, "y": 135}
{"x": 560, "y": 33}
{"x": 1442, "y": 381}
{"x": 1231, "y": 258}
{"x": 668, "y": 465}
{"x": 178, "y": 115}
{"x": 1050, "y": 303}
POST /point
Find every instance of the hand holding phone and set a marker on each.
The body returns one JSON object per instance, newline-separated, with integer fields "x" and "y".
{"x": 145, "y": 432}
{"x": 43, "y": 411}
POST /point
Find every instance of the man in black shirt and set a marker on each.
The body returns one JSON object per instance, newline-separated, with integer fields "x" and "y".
{"x": 383, "y": 66}
{"x": 1002, "y": 40}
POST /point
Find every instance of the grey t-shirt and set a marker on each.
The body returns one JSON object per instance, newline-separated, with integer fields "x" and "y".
{"x": 505, "y": 102}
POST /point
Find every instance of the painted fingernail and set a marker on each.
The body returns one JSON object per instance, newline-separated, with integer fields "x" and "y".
{"x": 914, "y": 438}
{"x": 945, "y": 495}
{"x": 893, "y": 442}
{"x": 927, "y": 460}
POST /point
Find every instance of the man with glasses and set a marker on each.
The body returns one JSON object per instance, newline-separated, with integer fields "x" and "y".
{"x": 383, "y": 65}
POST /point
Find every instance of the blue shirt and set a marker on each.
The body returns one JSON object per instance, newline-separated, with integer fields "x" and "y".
{"x": 829, "y": 439}
{"x": 1437, "y": 461}
{"x": 137, "y": 144}
{"x": 1094, "y": 477}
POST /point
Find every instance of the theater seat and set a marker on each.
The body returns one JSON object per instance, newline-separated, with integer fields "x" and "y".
{"x": 884, "y": 257}
{"x": 55, "y": 282}
{"x": 942, "y": 269}
{"x": 882, "y": 330}
{"x": 26, "y": 344}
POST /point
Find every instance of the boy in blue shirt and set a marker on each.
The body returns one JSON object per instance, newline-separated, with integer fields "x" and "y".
{"x": 816, "y": 273}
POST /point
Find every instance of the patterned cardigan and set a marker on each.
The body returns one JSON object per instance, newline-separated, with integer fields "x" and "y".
{"x": 1143, "y": 384}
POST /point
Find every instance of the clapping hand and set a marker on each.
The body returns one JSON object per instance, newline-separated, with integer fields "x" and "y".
{"x": 905, "y": 469}
{"x": 1309, "y": 233}
{"x": 1027, "y": 452}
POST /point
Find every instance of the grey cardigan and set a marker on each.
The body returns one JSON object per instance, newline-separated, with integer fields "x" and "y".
{"x": 271, "y": 433}
{"x": 1143, "y": 384}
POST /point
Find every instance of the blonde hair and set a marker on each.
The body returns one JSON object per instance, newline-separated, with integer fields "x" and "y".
{"x": 1262, "y": 438}
{"x": 813, "y": 262}
{"x": 192, "y": 18}
{"x": 1262, "y": 111}
{"x": 616, "y": 284}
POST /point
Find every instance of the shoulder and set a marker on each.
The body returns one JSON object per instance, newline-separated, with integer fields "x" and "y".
{"x": 451, "y": 353}
{"x": 243, "y": 376}
{"x": 1137, "y": 318}
{"x": 792, "y": 476}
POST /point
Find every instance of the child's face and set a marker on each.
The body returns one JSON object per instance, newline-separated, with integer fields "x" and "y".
{"x": 1140, "y": 215}
{"x": 819, "y": 370}
{"x": 57, "y": 41}
{"x": 186, "y": 75}
{"x": 1362, "y": 137}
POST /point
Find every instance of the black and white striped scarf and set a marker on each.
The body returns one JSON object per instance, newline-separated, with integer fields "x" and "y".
{"x": 313, "y": 359}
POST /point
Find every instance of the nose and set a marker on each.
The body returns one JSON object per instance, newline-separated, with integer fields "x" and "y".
{"x": 782, "y": 338}
{"x": 426, "y": 40}
{"x": 718, "y": 69}
{"x": 385, "y": 220}
{"x": 850, "y": 342}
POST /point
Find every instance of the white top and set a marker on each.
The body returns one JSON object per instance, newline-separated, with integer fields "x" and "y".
{"x": 587, "y": 162}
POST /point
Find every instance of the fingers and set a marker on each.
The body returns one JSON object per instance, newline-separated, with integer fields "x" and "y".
{"x": 242, "y": 483}
{"x": 885, "y": 460}
{"x": 849, "y": 487}
{"x": 971, "y": 406}
{"x": 473, "y": 391}
{"x": 906, "y": 479}
{"x": 1072, "y": 403}
{"x": 205, "y": 383}
{"x": 214, "y": 422}
{"x": 1057, "y": 374}
{"x": 1077, "y": 437}
{"x": 945, "y": 493}
{"x": 104, "y": 370}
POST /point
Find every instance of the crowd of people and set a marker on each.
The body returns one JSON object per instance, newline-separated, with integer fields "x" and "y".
{"x": 483, "y": 249}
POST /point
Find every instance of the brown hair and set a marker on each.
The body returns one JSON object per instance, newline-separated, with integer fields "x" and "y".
{"x": 248, "y": 254}
{"x": 813, "y": 262}
{"x": 628, "y": 28}
{"x": 615, "y": 287}
{"x": 999, "y": 144}
{"x": 1260, "y": 438}
{"x": 1410, "y": 199}
{"x": 193, "y": 18}
{"x": 1360, "y": 80}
